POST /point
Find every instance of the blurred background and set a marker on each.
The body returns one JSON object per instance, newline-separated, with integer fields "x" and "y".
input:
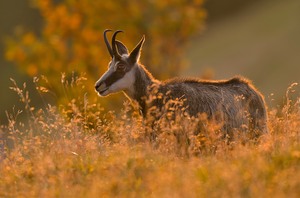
{"x": 60, "y": 42}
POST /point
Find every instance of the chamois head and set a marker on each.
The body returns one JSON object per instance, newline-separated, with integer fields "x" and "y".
{"x": 120, "y": 73}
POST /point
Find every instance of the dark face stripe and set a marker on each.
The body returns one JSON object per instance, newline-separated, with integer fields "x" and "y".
{"x": 118, "y": 74}
{"x": 114, "y": 77}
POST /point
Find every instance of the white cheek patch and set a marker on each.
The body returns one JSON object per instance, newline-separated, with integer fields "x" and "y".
{"x": 124, "y": 84}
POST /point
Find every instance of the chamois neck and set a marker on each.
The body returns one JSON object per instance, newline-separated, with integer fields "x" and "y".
{"x": 143, "y": 80}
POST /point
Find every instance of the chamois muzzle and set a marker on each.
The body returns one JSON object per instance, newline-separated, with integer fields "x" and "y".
{"x": 101, "y": 87}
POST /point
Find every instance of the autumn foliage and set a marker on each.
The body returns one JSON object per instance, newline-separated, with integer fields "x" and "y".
{"x": 71, "y": 44}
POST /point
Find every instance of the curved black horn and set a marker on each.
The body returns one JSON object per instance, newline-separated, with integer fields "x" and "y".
{"x": 113, "y": 43}
{"x": 107, "y": 42}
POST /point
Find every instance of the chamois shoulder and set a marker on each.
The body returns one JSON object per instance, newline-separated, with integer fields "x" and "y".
{"x": 233, "y": 81}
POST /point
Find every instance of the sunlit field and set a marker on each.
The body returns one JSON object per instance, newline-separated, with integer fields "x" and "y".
{"x": 59, "y": 139}
{"x": 79, "y": 151}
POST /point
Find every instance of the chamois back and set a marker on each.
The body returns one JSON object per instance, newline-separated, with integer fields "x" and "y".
{"x": 235, "y": 102}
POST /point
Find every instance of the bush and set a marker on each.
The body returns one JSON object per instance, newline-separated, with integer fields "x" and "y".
{"x": 71, "y": 41}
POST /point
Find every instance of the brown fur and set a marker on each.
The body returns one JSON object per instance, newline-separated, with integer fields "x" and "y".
{"x": 234, "y": 103}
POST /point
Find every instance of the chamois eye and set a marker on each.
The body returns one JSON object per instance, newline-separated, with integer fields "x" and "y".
{"x": 120, "y": 67}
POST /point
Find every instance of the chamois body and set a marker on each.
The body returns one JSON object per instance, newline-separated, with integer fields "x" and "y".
{"x": 234, "y": 103}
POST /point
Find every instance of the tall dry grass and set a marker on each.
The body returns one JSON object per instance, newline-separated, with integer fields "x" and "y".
{"x": 80, "y": 151}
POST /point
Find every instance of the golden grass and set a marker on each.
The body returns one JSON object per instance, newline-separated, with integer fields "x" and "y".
{"x": 79, "y": 151}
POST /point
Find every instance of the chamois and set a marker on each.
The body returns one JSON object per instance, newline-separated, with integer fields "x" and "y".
{"x": 235, "y": 103}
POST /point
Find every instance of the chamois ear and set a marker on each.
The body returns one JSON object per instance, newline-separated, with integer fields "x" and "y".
{"x": 122, "y": 49}
{"x": 135, "y": 54}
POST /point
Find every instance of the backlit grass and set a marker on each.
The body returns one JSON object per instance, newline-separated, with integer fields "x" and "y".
{"x": 80, "y": 151}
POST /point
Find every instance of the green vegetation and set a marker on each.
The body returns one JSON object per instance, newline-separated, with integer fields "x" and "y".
{"x": 78, "y": 151}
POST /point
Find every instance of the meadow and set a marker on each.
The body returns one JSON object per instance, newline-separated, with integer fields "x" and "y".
{"x": 80, "y": 150}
